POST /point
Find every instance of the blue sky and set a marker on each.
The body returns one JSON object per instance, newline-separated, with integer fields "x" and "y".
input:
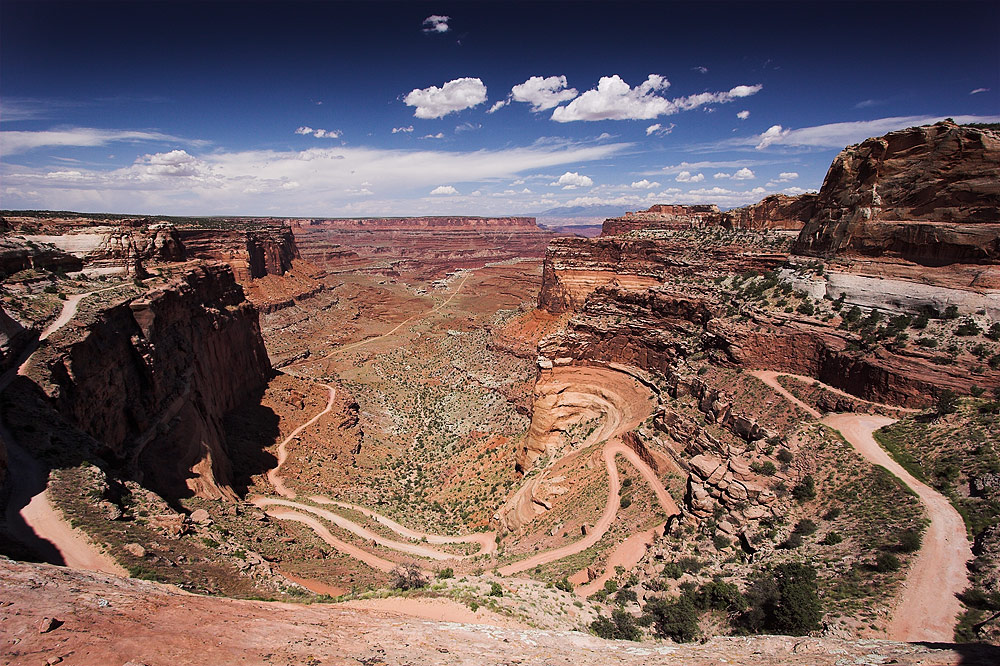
{"x": 479, "y": 108}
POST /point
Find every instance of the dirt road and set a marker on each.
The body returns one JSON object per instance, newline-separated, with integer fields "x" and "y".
{"x": 929, "y": 606}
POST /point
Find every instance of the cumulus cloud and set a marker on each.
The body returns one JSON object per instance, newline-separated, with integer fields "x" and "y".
{"x": 499, "y": 105}
{"x": 700, "y": 69}
{"x": 744, "y": 174}
{"x": 743, "y": 115}
{"x": 319, "y": 133}
{"x": 437, "y": 24}
{"x": 686, "y": 177}
{"x": 572, "y": 180}
{"x": 447, "y": 190}
{"x": 644, "y": 184}
{"x": 786, "y": 176}
{"x": 543, "y": 93}
{"x": 452, "y": 97}
{"x": 439, "y": 135}
{"x": 397, "y": 130}
{"x": 12, "y": 142}
{"x": 659, "y": 130}
{"x": 978, "y": 90}
{"x": 614, "y": 99}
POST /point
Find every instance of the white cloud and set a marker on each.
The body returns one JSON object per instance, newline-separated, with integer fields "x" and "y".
{"x": 543, "y": 93}
{"x": 978, "y": 90}
{"x": 435, "y": 23}
{"x": 744, "y": 174}
{"x": 444, "y": 190}
{"x": 613, "y": 99}
{"x": 700, "y": 69}
{"x": 785, "y": 176}
{"x": 452, "y": 97}
{"x": 397, "y": 130}
{"x": 692, "y": 166}
{"x": 838, "y": 135}
{"x": 659, "y": 130}
{"x": 721, "y": 175}
{"x": 572, "y": 180}
{"x": 743, "y": 115}
{"x": 499, "y": 105}
{"x": 644, "y": 184}
{"x": 319, "y": 133}
{"x": 439, "y": 135}
{"x": 291, "y": 182}
{"x": 686, "y": 177}
{"x": 12, "y": 142}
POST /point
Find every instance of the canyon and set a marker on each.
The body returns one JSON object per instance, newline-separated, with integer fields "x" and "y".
{"x": 547, "y": 430}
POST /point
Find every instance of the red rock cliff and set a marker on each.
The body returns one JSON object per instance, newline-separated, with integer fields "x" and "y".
{"x": 777, "y": 211}
{"x": 926, "y": 194}
{"x": 151, "y": 378}
{"x": 252, "y": 251}
{"x": 661, "y": 216}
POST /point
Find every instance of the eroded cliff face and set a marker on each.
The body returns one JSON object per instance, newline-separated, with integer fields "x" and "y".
{"x": 926, "y": 194}
{"x": 662, "y": 216}
{"x": 150, "y": 379}
{"x": 252, "y": 251}
{"x": 576, "y": 267}
{"x": 778, "y": 211}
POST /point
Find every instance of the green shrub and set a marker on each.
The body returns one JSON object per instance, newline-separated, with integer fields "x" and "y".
{"x": 909, "y": 541}
{"x": 564, "y": 585}
{"x": 967, "y": 328}
{"x": 832, "y": 539}
{"x": 496, "y": 590}
{"x": 783, "y": 600}
{"x": 721, "y": 542}
{"x": 951, "y": 312}
{"x": 765, "y": 468}
{"x": 886, "y": 562}
{"x": 806, "y": 307}
{"x": 833, "y": 513}
{"x": 408, "y": 577}
{"x": 785, "y": 456}
{"x": 805, "y": 527}
{"x": 625, "y": 595}
{"x": 722, "y": 596}
{"x": 793, "y": 541}
{"x": 805, "y": 490}
{"x": 620, "y": 626}
{"x": 447, "y": 572}
{"x": 946, "y": 403}
{"x": 994, "y": 331}
{"x": 676, "y": 620}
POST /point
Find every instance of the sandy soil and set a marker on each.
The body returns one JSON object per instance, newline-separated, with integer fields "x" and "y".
{"x": 929, "y": 606}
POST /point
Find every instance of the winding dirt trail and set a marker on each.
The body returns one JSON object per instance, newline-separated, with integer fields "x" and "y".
{"x": 273, "y": 475}
{"x": 37, "y": 521}
{"x": 623, "y": 553}
{"x": 929, "y": 606}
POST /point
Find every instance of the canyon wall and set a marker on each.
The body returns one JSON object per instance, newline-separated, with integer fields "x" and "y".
{"x": 777, "y": 211}
{"x": 422, "y": 223}
{"x": 575, "y": 267}
{"x": 925, "y": 194}
{"x": 251, "y": 251}
{"x": 151, "y": 378}
{"x": 661, "y": 216}
{"x": 124, "y": 248}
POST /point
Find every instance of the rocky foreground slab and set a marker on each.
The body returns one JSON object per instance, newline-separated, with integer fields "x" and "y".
{"x": 54, "y": 615}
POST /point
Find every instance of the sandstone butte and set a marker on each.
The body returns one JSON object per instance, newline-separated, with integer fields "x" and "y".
{"x": 640, "y": 337}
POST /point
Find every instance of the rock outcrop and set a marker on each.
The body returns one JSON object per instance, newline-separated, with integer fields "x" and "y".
{"x": 575, "y": 267}
{"x": 927, "y": 194}
{"x": 19, "y": 254}
{"x": 777, "y": 211}
{"x": 662, "y": 216}
{"x": 151, "y": 378}
{"x": 122, "y": 248}
{"x": 252, "y": 250}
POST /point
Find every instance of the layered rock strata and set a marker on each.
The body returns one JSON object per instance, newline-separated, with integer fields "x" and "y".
{"x": 927, "y": 194}
{"x": 252, "y": 251}
{"x": 777, "y": 211}
{"x": 150, "y": 379}
{"x": 663, "y": 217}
